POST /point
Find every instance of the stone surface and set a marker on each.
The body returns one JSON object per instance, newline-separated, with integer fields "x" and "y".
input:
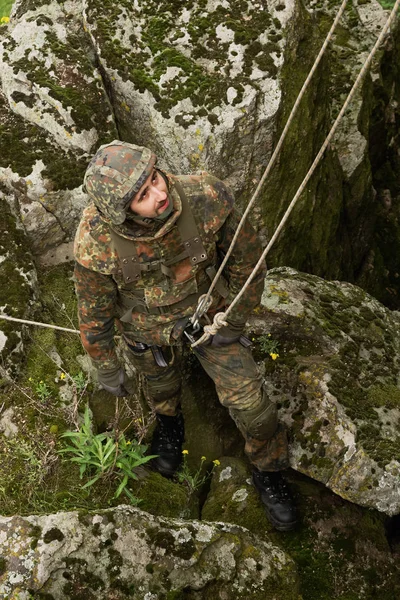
{"x": 19, "y": 288}
{"x": 54, "y": 113}
{"x": 337, "y": 546}
{"x": 337, "y": 382}
{"x": 127, "y": 553}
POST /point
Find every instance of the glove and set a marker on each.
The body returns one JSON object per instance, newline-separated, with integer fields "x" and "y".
{"x": 226, "y": 336}
{"x": 115, "y": 381}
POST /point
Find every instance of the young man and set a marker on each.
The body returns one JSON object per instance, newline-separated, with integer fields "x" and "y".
{"x": 145, "y": 250}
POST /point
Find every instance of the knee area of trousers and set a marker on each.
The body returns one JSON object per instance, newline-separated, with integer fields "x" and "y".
{"x": 162, "y": 389}
{"x": 260, "y": 422}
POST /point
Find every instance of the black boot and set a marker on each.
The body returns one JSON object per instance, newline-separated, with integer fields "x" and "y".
{"x": 277, "y": 499}
{"x": 167, "y": 442}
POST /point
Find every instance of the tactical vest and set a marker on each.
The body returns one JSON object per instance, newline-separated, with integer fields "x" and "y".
{"x": 167, "y": 283}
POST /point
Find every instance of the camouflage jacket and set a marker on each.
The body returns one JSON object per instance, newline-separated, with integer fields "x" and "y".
{"x": 104, "y": 296}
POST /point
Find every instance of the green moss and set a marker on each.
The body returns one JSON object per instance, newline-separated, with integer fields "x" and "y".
{"x": 16, "y": 293}
{"x": 85, "y": 100}
{"x": 3, "y": 565}
{"x": 385, "y": 395}
{"x": 157, "y": 49}
{"x": 53, "y": 534}
{"x": 382, "y": 450}
{"x": 160, "y": 496}
{"x": 164, "y": 539}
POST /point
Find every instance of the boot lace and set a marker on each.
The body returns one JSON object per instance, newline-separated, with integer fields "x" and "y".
{"x": 276, "y": 486}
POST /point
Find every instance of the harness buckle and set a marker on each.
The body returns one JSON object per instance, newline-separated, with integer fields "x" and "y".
{"x": 191, "y": 330}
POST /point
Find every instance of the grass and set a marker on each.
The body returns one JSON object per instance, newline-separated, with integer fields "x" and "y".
{"x": 5, "y": 7}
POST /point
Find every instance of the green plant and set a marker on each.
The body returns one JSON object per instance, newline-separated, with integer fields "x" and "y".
{"x": 105, "y": 455}
{"x": 80, "y": 381}
{"x": 43, "y": 391}
{"x": 196, "y": 480}
{"x": 269, "y": 345}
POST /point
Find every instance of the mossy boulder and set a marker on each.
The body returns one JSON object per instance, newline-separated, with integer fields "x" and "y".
{"x": 197, "y": 81}
{"x": 341, "y": 550}
{"x": 54, "y": 113}
{"x": 127, "y": 553}
{"x": 18, "y": 287}
{"x": 336, "y": 382}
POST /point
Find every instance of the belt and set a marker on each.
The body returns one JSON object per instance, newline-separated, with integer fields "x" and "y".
{"x": 139, "y": 305}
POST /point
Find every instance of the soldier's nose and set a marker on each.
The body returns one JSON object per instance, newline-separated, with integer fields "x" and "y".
{"x": 160, "y": 195}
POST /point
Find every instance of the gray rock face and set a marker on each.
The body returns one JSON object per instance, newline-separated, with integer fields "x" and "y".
{"x": 54, "y": 113}
{"x": 18, "y": 289}
{"x": 127, "y": 553}
{"x": 337, "y": 381}
{"x": 198, "y": 82}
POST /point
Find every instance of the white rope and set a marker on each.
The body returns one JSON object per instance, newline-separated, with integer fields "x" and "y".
{"x": 317, "y": 159}
{"x": 7, "y": 318}
{"x": 273, "y": 158}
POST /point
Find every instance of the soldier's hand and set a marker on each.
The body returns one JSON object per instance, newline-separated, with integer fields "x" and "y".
{"x": 115, "y": 381}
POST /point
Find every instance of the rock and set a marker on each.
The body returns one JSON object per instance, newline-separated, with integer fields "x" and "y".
{"x": 337, "y": 382}
{"x": 336, "y": 545}
{"x": 126, "y": 552}
{"x": 54, "y": 114}
{"x": 18, "y": 287}
{"x": 192, "y": 81}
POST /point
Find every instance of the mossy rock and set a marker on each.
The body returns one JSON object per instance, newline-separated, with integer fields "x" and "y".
{"x": 337, "y": 546}
{"x": 335, "y": 382}
{"x": 18, "y": 288}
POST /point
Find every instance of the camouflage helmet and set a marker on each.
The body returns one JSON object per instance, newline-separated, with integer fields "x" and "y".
{"x": 115, "y": 174}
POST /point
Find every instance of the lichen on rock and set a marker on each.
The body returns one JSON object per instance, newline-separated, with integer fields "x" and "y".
{"x": 336, "y": 380}
{"x": 129, "y": 553}
{"x": 54, "y": 112}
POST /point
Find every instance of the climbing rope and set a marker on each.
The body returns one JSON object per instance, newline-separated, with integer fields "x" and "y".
{"x": 204, "y": 300}
{"x": 7, "y": 318}
{"x": 219, "y": 318}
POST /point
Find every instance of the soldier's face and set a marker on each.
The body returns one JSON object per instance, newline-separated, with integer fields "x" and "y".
{"x": 152, "y": 198}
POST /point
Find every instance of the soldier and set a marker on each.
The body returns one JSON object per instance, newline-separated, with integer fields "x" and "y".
{"x": 145, "y": 250}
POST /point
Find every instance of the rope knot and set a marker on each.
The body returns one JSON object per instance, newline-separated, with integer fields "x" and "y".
{"x": 210, "y": 330}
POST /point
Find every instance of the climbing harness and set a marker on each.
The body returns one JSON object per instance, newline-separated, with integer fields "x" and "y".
{"x": 220, "y": 318}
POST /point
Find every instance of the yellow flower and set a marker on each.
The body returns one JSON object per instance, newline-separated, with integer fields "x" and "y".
{"x": 4, "y": 19}
{"x": 128, "y": 442}
{"x": 62, "y": 376}
{"x": 273, "y": 355}
{"x": 185, "y": 451}
{"x": 216, "y": 462}
{"x": 30, "y": 379}
{"x": 203, "y": 458}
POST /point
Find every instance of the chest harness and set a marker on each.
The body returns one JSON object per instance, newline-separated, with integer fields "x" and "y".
{"x": 132, "y": 268}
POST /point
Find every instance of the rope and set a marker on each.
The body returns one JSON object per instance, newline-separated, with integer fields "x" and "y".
{"x": 317, "y": 159}
{"x": 272, "y": 159}
{"x": 7, "y": 318}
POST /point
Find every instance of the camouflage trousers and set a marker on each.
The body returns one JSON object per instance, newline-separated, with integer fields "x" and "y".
{"x": 239, "y": 387}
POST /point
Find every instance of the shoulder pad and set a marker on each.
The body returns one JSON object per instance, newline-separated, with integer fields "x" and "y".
{"x": 93, "y": 248}
{"x": 210, "y": 199}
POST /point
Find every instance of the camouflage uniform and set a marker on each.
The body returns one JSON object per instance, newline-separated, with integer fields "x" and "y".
{"x": 150, "y": 310}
